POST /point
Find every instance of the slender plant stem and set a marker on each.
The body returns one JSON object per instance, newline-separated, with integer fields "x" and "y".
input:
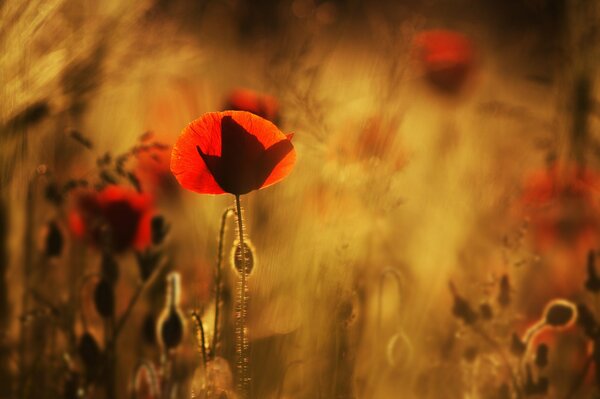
{"x": 218, "y": 280}
{"x": 241, "y": 332}
{"x": 202, "y": 343}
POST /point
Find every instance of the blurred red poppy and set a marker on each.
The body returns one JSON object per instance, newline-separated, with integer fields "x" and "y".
{"x": 153, "y": 170}
{"x": 447, "y": 58}
{"x": 116, "y": 218}
{"x": 260, "y": 104}
{"x": 231, "y": 152}
{"x": 563, "y": 204}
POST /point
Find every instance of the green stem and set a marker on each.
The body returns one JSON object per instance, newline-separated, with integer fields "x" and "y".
{"x": 241, "y": 341}
{"x": 218, "y": 278}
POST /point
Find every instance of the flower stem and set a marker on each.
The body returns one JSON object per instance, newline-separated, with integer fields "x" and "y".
{"x": 241, "y": 331}
{"x": 218, "y": 278}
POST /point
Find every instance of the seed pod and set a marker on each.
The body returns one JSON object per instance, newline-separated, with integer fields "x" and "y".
{"x": 171, "y": 323}
{"x": 104, "y": 298}
{"x": 54, "y": 242}
{"x": 90, "y": 353}
{"x": 541, "y": 356}
{"x": 560, "y": 313}
{"x": 249, "y": 255}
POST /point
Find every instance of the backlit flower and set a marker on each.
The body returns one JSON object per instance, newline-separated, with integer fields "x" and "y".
{"x": 563, "y": 206}
{"x": 231, "y": 152}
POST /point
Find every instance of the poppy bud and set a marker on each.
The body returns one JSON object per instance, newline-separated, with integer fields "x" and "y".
{"x": 149, "y": 329}
{"x": 486, "y": 312}
{"x": 171, "y": 323}
{"x": 504, "y": 294}
{"x": 517, "y": 347}
{"x": 592, "y": 283}
{"x": 147, "y": 262}
{"x": 470, "y": 354}
{"x": 159, "y": 229}
{"x": 109, "y": 268}
{"x": 71, "y": 387}
{"x": 90, "y": 353}
{"x": 54, "y": 240}
{"x": 104, "y": 298}
{"x": 462, "y": 309}
{"x": 587, "y": 321}
{"x": 560, "y": 313}
{"x": 146, "y": 384}
{"x": 249, "y": 255}
{"x": 541, "y": 356}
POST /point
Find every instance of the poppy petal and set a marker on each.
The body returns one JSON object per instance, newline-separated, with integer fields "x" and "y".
{"x": 188, "y": 167}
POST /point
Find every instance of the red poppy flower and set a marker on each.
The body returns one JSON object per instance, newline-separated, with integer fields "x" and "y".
{"x": 116, "y": 217}
{"x": 260, "y": 104}
{"x": 562, "y": 203}
{"x": 231, "y": 152}
{"x": 153, "y": 171}
{"x": 447, "y": 58}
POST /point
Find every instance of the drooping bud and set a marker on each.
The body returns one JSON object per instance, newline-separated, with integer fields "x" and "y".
{"x": 90, "y": 353}
{"x": 560, "y": 313}
{"x": 171, "y": 323}
{"x": 159, "y": 229}
{"x": 104, "y": 298}
{"x": 541, "y": 356}
{"x": 53, "y": 243}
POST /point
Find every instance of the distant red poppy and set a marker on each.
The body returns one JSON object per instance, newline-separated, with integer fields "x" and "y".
{"x": 153, "y": 170}
{"x": 231, "y": 152}
{"x": 447, "y": 58}
{"x": 563, "y": 205}
{"x": 116, "y": 217}
{"x": 260, "y": 104}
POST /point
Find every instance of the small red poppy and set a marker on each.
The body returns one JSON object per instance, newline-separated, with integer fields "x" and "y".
{"x": 153, "y": 170}
{"x": 447, "y": 58}
{"x": 260, "y": 104}
{"x": 231, "y": 152}
{"x": 562, "y": 203}
{"x": 116, "y": 217}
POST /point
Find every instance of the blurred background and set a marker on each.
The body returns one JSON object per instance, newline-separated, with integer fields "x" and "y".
{"x": 447, "y": 190}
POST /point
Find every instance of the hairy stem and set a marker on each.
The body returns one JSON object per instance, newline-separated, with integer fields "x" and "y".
{"x": 241, "y": 331}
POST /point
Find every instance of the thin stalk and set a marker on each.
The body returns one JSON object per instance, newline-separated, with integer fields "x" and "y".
{"x": 202, "y": 344}
{"x": 241, "y": 332}
{"x": 218, "y": 280}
